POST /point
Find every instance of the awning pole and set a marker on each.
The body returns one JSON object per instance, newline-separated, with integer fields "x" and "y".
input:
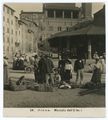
{"x": 59, "y": 46}
{"x": 68, "y": 44}
{"x": 58, "y": 52}
{"x": 89, "y": 49}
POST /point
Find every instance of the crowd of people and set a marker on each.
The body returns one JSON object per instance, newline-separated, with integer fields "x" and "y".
{"x": 20, "y": 61}
{"x": 45, "y": 71}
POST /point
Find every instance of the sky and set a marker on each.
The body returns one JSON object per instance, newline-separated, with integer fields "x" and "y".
{"x": 38, "y": 7}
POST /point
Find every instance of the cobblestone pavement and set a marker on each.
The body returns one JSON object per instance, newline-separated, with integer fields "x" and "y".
{"x": 58, "y": 98}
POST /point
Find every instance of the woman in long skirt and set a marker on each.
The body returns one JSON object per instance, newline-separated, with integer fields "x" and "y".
{"x": 68, "y": 71}
{"x": 96, "y": 77}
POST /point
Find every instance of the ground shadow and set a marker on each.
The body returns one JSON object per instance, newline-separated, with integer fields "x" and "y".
{"x": 99, "y": 91}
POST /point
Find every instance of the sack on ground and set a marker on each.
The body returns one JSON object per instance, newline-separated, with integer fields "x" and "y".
{"x": 64, "y": 85}
{"x": 89, "y": 85}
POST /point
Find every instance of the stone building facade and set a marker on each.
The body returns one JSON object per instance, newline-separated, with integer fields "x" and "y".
{"x": 59, "y": 17}
{"x": 17, "y": 36}
{"x": 34, "y": 21}
{"x": 8, "y": 30}
{"x": 56, "y": 17}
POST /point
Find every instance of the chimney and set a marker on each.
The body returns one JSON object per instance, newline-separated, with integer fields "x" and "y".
{"x": 87, "y": 10}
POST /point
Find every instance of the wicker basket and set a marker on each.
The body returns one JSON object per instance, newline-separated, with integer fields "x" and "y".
{"x": 44, "y": 88}
{"x": 14, "y": 86}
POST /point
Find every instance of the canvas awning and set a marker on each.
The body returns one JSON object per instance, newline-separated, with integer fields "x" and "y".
{"x": 89, "y": 30}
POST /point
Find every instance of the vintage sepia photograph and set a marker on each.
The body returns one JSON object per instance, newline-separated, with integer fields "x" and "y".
{"x": 54, "y": 56}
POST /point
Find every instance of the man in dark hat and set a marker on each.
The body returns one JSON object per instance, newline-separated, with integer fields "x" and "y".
{"x": 42, "y": 69}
